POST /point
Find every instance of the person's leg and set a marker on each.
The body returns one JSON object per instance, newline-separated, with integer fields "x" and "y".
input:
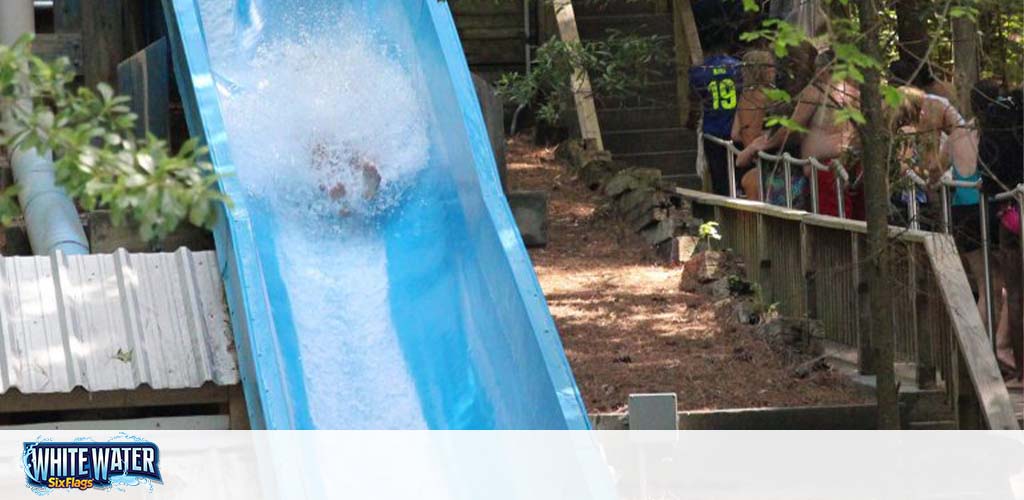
{"x": 1010, "y": 261}
{"x": 751, "y": 182}
{"x": 717, "y": 167}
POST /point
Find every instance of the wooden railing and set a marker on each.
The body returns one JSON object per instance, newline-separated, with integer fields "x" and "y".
{"x": 813, "y": 266}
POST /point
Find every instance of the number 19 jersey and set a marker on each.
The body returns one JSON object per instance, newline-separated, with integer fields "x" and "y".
{"x": 717, "y": 83}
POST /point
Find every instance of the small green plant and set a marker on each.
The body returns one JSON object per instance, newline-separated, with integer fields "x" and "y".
{"x": 709, "y": 231}
{"x": 619, "y": 66}
{"x": 99, "y": 161}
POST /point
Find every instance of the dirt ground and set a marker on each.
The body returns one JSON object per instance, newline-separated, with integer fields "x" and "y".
{"x": 627, "y": 328}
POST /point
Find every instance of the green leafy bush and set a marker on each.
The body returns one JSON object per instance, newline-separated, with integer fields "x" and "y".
{"x": 619, "y": 66}
{"x": 100, "y": 162}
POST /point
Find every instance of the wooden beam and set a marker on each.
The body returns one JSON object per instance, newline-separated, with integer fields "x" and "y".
{"x": 583, "y": 95}
{"x": 237, "y": 410}
{"x": 109, "y": 35}
{"x": 80, "y": 399}
{"x": 146, "y": 78}
{"x": 185, "y": 423}
{"x": 688, "y": 53}
{"x": 969, "y": 332}
{"x": 67, "y": 16}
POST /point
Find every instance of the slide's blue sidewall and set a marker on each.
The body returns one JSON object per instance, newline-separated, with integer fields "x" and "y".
{"x": 488, "y": 356}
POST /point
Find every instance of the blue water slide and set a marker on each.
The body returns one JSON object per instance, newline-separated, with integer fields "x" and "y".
{"x": 374, "y": 273}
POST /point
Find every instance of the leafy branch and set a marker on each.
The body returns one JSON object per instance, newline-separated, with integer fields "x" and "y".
{"x": 619, "y": 66}
{"x": 100, "y": 162}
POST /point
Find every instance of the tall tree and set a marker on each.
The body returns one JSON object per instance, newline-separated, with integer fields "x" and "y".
{"x": 965, "y": 59}
{"x": 912, "y": 30}
{"x": 875, "y": 140}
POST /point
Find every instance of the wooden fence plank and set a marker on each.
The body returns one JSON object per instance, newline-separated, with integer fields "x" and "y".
{"x": 146, "y": 78}
{"x": 969, "y": 332}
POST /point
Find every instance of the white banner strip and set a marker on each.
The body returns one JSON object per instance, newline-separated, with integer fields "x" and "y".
{"x": 793, "y": 465}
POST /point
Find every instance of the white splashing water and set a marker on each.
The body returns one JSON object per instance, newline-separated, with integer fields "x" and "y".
{"x": 306, "y": 115}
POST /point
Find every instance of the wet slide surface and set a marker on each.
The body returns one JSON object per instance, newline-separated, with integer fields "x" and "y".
{"x": 373, "y": 270}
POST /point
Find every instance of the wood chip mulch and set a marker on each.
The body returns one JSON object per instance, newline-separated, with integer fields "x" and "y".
{"x": 626, "y": 326}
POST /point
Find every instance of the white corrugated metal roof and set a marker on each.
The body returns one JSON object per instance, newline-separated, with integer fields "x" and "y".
{"x": 113, "y": 321}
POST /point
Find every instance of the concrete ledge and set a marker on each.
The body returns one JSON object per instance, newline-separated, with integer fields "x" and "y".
{"x": 840, "y": 417}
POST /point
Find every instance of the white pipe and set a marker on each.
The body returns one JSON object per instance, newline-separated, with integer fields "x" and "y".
{"x": 17, "y": 17}
{"x": 50, "y": 216}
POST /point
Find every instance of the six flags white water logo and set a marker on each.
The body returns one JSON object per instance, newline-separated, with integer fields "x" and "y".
{"x": 84, "y": 465}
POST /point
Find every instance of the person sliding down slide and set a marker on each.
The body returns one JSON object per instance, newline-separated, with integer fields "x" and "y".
{"x": 335, "y": 168}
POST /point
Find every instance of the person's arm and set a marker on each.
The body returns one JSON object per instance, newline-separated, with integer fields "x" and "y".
{"x": 746, "y": 157}
{"x": 806, "y": 104}
{"x": 737, "y": 121}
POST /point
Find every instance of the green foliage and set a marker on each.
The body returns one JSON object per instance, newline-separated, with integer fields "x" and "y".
{"x": 618, "y": 66}
{"x": 100, "y": 162}
{"x": 709, "y": 231}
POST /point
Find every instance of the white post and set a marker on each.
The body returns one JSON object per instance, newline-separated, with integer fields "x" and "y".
{"x": 17, "y": 17}
{"x": 50, "y": 216}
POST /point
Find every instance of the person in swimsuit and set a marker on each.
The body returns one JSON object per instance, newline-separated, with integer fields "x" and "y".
{"x": 825, "y": 139}
{"x": 758, "y": 73}
{"x": 801, "y": 78}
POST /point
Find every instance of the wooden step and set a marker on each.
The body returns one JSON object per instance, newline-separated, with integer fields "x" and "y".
{"x": 594, "y": 27}
{"x": 650, "y": 140}
{"x": 640, "y": 117}
{"x": 613, "y": 7}
{"x": 660, "y": 92}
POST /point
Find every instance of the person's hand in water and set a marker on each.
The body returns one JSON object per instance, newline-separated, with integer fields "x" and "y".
{"x": 371, "y": 177}
{"x": 330, "y": 164}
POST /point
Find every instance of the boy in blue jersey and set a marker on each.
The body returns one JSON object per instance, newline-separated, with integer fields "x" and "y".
{"x": 716, "y": 83}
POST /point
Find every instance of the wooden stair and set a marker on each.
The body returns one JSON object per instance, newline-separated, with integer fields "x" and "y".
{"x": 644, "y": 130}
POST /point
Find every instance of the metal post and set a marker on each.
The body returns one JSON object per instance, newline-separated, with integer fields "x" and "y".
{"x": 840, "y": 199}
{"x": 815, "y": 208}
{"x": 915, "y": 181}
{"x": 912, "y": 206}
{"x": 789, "y": 179}
{"x": 731, "y": 163}
{"x": 947, "y": 216}
{"x": 989, "y": 306}
{"x": 761, "y": 181}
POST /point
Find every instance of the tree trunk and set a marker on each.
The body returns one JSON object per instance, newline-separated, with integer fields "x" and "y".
{"x": 874, "y": 143}
{"x": 911, "y": 30}
{"x": 965, "y": 61}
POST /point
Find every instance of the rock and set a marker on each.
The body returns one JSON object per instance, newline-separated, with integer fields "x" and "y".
{"x": 679, "y": 249}
{"x": 745, "y": 312}
{"x": 571, "y": 152}
{"x": 740, "y": 286}
{"x": 530, "y": 208}
{"x": 632, "y": 178}
{"x": 494, "y": 118}
{"x": 594, "y": 173}
{"x": 805, "y": 369}
{"x": 660, "y": 232}
{"x": 718, "y": 289}
{"x": 706, "y": 267}
{"x": 691, "y": 225}
{"x": 791, "y": 334}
